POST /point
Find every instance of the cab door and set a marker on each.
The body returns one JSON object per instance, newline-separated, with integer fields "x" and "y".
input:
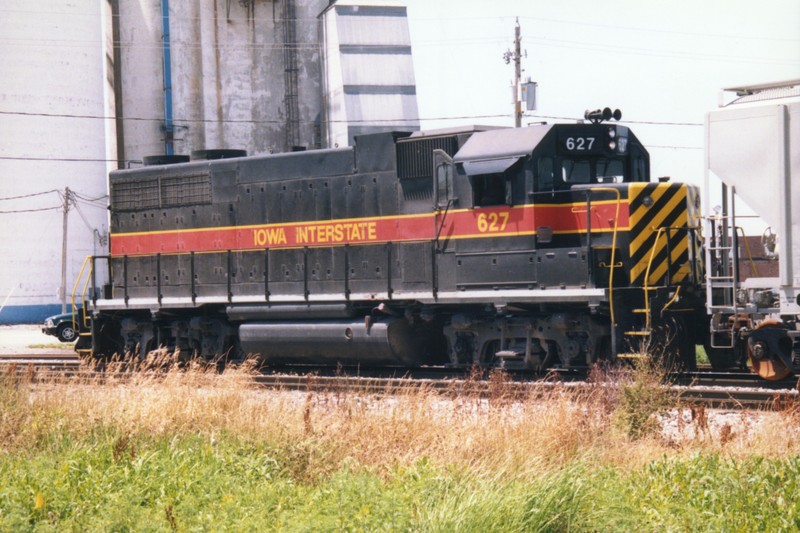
{"x": 494, "y": 237}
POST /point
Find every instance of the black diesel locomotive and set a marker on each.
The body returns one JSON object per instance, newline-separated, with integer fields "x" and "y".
{"x": 538, "y": 247}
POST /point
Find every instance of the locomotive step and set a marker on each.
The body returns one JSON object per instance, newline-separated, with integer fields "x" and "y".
{"x": 631, "y": 356}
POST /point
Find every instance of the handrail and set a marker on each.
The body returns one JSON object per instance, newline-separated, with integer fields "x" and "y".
{"x": 647, "y": 324}
{"x": 673, "y": 299}
{"x": 753, "y": 266}
{"x": 444, "y": 218}
{"x": 647, "y": 286}
{"x": 90, "y": 261}
{"x": 613, "y": 245}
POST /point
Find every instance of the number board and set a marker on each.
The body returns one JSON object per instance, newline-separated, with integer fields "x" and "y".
{"x": 584, "y": 139}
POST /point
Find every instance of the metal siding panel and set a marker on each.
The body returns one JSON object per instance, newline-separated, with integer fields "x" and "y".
{"x": 373, "y": 30}
{"x": 371, "y": 69}
{"x": 316, "y": 163}
{"x": 389, "y": 108}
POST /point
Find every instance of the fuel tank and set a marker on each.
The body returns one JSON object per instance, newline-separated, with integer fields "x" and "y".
{"x": 388, "y": 342}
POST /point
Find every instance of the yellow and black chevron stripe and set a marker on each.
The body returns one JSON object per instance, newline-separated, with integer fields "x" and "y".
{"x": 661, "y": 205}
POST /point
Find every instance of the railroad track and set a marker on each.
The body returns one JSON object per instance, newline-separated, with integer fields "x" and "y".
{"x": 712, "y": 396}
{"x": 731, "y": 390}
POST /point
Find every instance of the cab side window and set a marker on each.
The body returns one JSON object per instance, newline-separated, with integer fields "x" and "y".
{"x": 640, "y": 169}
{"x": 444, "y": 184}
{"x": 492, "y": 189}
{"x": 545, "y": 178}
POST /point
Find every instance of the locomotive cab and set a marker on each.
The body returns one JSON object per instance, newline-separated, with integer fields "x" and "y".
{"x": 509, "y": 167}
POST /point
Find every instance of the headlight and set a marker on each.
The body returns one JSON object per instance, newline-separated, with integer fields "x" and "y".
{"x": 612, "y": 145}
{"x": 49, "y": 323}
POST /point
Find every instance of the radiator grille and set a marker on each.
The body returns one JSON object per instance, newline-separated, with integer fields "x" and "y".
{"x": 135, "y": 195}
{"x": 186, "y": 190}
{"x": 161, "y": 192}
{"x": 415, "y": 157}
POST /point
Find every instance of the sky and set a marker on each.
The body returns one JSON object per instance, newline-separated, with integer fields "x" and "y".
{"x": 663, "y": 64}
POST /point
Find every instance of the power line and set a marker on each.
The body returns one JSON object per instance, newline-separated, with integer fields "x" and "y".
{"x": 83, "y": 217}
{"x": 252, "y": 121}
{"x": 64, "y": 159}
{"x": 656, "y": 30}
{"x": 650, "y": 122}
{"x": 674, "y": 147}
{"x": 58, "y": 207}
{"x": 85, "y": 199}
{"x": 90, "y": 204}
{"x": 652, "y": 52}
{"x": 214, "y": 121}
{"x": 265, "y": 20}
{"x": 389, "y": 121}
{"x": 28, "y": 195}
{"x": 82, "y": 197}
{"x": 313, "y": 47}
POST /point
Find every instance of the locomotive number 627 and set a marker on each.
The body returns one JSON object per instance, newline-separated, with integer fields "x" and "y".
{"x": 537, "y": 247}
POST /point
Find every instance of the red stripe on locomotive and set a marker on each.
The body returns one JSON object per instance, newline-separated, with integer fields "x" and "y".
{"x": 470, "y": 223}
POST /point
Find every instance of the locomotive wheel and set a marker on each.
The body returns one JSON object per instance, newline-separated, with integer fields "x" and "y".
{"x": 768, "y": 368}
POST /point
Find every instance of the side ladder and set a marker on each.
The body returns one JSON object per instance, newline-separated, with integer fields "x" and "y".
{"x": 722, "y": 274}
{"x": 81, "y": 317}
{"x": 648, "y": 288}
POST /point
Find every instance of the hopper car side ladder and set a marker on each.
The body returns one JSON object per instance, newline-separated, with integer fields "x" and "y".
{"x": 722, "y": 272}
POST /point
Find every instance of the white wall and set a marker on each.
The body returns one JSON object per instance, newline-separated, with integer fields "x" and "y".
{"x": 52, "y": 136}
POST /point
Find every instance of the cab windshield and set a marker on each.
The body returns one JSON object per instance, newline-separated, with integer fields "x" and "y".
{"x": 587, "y": 171}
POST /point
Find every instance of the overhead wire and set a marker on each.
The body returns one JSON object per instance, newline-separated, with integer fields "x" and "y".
{"x": 592, "y": 44}
{"x": 5, "y": 212}
{"x": 83, "y": 217}
{"x": 450, "y": 18}
{"x": 74, "y": 198}
{"x": 86, "y": 198}
{"x": 312, "y": 46}
{"x": 261, "y": 121}
{"x": 21, "y": 196}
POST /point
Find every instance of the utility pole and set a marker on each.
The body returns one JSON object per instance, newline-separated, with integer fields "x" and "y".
{"x": 516, "y": 56}
{"x": 67, "y": 194}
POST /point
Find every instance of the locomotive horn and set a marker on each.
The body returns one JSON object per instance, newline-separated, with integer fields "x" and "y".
{"x": 608, "y": 114}
{"x": 597, "y": 116}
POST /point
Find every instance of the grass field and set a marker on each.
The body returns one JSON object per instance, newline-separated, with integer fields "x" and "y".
{"x": 195, "y": 451}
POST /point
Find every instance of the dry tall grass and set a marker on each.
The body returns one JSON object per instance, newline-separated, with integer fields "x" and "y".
{"x": 328, "y": 430}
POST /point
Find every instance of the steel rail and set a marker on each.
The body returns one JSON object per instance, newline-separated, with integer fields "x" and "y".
{"x": 732, "y": 390}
